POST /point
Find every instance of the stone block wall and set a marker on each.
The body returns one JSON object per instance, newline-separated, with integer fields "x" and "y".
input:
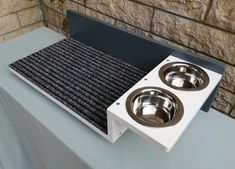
{"x": 18, "y": 17}
{"x": 205, "y": 27}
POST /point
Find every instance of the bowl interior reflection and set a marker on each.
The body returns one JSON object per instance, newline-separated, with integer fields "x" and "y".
{"x": 154, "y": 107}
{"x": 184, "y": 76}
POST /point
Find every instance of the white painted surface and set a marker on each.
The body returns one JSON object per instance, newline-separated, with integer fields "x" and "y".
{"x": 192, "y": 101}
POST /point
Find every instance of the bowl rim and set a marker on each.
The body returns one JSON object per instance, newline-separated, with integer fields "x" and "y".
{"x": 178, "y": 113}
{"x": 206, "y": 79}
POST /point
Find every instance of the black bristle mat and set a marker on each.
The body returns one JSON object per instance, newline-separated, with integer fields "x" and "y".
{"x": 82, "y": 78}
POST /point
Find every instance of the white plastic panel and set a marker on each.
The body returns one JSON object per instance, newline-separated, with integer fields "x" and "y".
{"x": 163, "y": 137}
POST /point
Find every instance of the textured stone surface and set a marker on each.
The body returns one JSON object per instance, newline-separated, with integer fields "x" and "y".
{"x": 80, "y": 1}
{"x": 228, "y": 80}
{"x": 195, "y": 35}
{"x": 8, "y": 23}
{"x": 127, "y": 11}
{"x": 195, "y": 9}
{"x": 233, "y": 111}
{"x": 30, "y": 16}
{"x": 72, "y": 5}
{"x": 15, "y": 14}
{"x": 224, "y": 100}
{"x": 56, "y": 6}
{"x": 82, "y": 9}
{"x": 21, "y": 31}
{"x": 63, "y": 7}
{"x": 10, "y": 6}
{"x": 92, "y": 13}
{"x": 54, "y": 18}
{"x": 222, "y": 14}
{"x": 54, "y": 28}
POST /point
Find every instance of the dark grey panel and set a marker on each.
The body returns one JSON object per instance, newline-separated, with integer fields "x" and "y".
{"x": 141, "y": 51}
{"x": 137, "y": 50}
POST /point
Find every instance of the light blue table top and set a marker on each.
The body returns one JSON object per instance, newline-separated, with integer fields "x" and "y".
{"x": 208, "y": 143}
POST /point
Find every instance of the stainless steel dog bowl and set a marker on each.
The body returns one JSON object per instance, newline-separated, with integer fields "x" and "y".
{"x": 153, "y": 106}
{"x": 184, "y": 76}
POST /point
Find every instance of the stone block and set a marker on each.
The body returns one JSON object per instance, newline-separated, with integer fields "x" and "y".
{"x": 197, "y": 36}
{"x": 72, "y": 5}
{"x": 195, "y": 9}
{"x": 228, "y": 80}
{"x": 224, "y": 100}
{"x": 233, "y": 112}
{"x": 54, "y": 28}
{"x": 10, "y": 6}
{"x": 30, "y": 16}
{"x": 8, "y": 23}
{"x": 54, "y": 18}
{"x": 222, "y": 14}
{"x": 127, "y": 11}
{"x": 56, "y": 5}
